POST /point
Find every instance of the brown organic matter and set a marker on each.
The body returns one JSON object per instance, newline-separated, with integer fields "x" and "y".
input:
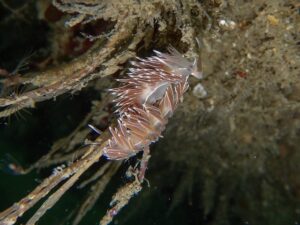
{"x": 229, "y": 155}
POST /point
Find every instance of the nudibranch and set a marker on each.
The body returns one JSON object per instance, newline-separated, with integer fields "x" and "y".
{"x": 146, "y": 99}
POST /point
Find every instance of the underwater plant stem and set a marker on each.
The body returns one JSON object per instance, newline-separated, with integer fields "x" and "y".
{"x": 52, "y": 199}
{"x": 10, "y": 215}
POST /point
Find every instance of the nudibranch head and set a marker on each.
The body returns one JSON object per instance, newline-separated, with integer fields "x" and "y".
{"x": 179, "y": 64}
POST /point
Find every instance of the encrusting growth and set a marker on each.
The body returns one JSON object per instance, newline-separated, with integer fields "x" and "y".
{"x": 249, "y": 122}
{"x": 145, "y": 101}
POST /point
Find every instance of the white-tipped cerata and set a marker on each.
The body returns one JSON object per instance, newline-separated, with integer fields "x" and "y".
{"x": 146, "y": 99}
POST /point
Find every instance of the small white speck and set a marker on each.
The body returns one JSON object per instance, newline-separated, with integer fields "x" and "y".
{"x": 199, "y": 91}
{"x": 222, "y": 22}
{"x": 227, "y": 24}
